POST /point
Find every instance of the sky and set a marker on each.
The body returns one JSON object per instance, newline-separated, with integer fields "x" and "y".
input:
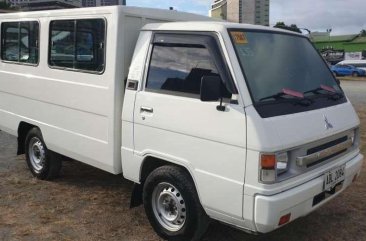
{"x": 342, "y": 16}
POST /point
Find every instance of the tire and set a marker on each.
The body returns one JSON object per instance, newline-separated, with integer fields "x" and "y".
{"x": 172, "y": 205}
{"x": 335, "y": 73}
{"x": 355, "y": 74}
{"x": 43, "y": 164}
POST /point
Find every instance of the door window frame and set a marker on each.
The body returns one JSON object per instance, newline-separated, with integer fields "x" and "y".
{"x": 207, "y": 39}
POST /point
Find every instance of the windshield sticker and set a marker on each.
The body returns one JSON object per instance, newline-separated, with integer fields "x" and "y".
{"x": 245, "y": 51}
{"x": 239, "y": 37}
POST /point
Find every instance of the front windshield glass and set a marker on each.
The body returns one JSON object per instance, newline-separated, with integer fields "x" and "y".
{"x": 274, "y": 61}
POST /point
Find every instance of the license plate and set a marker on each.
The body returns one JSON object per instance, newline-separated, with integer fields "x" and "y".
{"x": 334, "y": 177}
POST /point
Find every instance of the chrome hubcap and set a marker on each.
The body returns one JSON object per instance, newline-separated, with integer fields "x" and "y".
{"x": 37, "y": 154}
{"x": 169, "y": 207}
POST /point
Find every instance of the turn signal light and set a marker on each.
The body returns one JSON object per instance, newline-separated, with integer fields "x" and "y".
{"x": 268, "y": 161}
{"x": 272, "y": 165}
{"x": 268, "y": 168}
{"x": 284, "y": 219}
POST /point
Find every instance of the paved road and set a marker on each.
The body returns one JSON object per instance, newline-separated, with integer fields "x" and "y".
{"x": 355, "y": 90}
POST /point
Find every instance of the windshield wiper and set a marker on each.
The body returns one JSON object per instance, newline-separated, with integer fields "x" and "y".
{"x": 332, "y": 93}
{"x": 284, "y": 92}
{"x": 299, "y": 97}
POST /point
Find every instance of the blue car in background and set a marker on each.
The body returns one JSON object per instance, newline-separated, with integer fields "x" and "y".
{"x": 347, "y": 70}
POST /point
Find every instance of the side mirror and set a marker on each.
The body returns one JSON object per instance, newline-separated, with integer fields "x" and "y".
{"x": 211, "y": 88}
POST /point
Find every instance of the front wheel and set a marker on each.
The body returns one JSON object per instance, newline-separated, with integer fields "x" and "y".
{"x": 355, "y": 74}
{"x": 172, "y": 205}
{"x": 43, "y": 163}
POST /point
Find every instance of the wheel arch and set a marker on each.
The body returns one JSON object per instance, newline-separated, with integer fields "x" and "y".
{"x": 149, "y": 164}
{"x": 23, "y": 129}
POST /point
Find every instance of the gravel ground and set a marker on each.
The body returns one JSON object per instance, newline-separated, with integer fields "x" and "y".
{"x": 88, "y": 204}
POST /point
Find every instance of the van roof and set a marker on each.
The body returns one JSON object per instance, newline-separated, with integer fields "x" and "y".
{"x": 216, "y": 26}
{"x": 192, "y": 22}
{"x": 168, "y": 15}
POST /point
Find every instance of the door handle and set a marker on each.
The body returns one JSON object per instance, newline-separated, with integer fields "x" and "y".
{"x": 146, "y": 109}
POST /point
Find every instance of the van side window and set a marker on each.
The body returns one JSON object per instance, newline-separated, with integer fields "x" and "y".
{"x": 77, "y": 44}
{"x": 19, "y": 42}
{"x": 178, "y": 69}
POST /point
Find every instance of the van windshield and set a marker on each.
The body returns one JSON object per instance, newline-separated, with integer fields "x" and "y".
{"x": 282, "y": 65}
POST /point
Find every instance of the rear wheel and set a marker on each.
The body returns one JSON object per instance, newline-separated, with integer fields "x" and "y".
{"x": 172, "y": 205}
{"x": 43, "y": 163}
{"x": 355, "y": 74}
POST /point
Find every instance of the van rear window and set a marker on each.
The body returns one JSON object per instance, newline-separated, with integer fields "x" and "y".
{"x": 19, "y": 42}
{"x": 77, "y": 44}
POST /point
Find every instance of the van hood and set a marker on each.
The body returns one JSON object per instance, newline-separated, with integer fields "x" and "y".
{"x": 288, "y": 131}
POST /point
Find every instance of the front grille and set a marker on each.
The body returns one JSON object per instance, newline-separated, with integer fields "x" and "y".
{"x": 325, "y": 146}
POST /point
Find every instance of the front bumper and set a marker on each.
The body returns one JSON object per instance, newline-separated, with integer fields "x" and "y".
{"x": 299, "y": 200}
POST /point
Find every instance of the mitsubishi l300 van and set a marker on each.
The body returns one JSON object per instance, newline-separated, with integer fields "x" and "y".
{"x": 212, "y": 120}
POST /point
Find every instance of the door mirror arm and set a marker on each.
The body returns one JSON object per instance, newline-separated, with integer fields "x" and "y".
{"x": 220, "y": 107}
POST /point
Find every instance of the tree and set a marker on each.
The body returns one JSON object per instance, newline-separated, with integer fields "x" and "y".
{"x": 292, "y": 27}
{"x": 363, "y": 33}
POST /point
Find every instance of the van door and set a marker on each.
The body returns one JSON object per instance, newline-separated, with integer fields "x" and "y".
{"x": 173, "y": 124}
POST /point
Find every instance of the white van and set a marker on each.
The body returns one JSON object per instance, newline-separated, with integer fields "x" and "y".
{"x": 361, "y": 64}
{"x": 239, "y": 123}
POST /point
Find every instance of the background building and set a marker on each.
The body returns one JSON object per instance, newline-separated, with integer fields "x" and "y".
{"x": 97, "y": 3}
{"x": 242, "y": 11}
{"x": 219, "y": 9}
{"x": 348, "y": 43}
{"x": 88, "y": 3}
{"x": 341, "y": 47}
{"x": 34, "y": 5}
{"x": 110, "y": 2}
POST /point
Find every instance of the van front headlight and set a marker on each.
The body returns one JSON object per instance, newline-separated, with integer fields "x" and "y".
{"x": 273, "y": 165}
{"x": 352, "y": 136}
{"x": 282, "y": 162}
{"x": 355, "y": 137}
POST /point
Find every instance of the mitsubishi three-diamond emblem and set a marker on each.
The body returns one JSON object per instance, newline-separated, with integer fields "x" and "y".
{"x": 328, "y": 125}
